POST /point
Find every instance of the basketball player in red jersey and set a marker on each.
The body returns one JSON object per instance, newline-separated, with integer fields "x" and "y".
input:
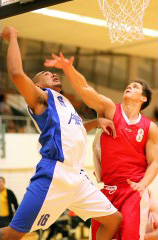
{"x": 128, "y": 163}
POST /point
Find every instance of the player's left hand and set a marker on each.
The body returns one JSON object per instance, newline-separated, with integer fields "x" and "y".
{"x": 107, "y": 126}
{"x": 58, "y": 62}
{"x": 137, "y": 186}
{"x": 9, "y": 32}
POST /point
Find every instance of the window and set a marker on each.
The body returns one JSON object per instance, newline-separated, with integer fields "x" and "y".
{"x": 119, "y": 72}
{"x": 102, "y": 68}
{"x": 145, "y": 70}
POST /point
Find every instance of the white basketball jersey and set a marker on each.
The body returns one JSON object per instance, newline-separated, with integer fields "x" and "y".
{"x": 62, "y": 134}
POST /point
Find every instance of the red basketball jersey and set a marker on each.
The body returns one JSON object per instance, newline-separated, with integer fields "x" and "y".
{"x": 124, "y": 157}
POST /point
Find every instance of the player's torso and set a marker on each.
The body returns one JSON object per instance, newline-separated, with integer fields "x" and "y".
{"x": 125, "y": 156}
{"x": 63, "y": 136}
{"x": 73, "y": 133}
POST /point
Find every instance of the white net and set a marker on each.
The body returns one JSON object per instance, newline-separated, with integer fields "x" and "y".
{"x": 124, "y": 18}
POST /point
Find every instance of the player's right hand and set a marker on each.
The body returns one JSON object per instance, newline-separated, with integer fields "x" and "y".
{"x": 58, "y": 62}
{"x": 137, "y": 186}
{"x": 8, "y": 32}
{"x": 107, "y": 126}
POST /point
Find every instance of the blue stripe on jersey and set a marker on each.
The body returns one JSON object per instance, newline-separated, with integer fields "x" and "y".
{"x": 49, "y": 125}
{"x": 34, "y": 197}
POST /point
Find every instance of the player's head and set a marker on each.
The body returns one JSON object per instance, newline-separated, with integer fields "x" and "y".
{"x": 139, "y": 91}
{"x": 2, "y": 183}
{"x": 47, "y": 80}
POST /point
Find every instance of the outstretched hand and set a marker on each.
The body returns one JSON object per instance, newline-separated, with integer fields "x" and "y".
{"x": 58, "y": 62}
{"x": 8, "y": 32}
{"x": 139, "y": 187}
{"x": 107, "y": 126}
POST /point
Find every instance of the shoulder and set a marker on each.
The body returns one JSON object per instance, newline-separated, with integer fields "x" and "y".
{"x": 153, "y": 127}
{"x": 145, "y": 123}
{"x": 146, "y": 119}
{"x": 10, "y": 192}
{"x": 153, "y": 130}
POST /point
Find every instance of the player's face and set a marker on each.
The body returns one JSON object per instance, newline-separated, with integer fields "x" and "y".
{"x": 133, "y": 91}
{"x": 2, "y": 184}
{"x": 50, "y": 80}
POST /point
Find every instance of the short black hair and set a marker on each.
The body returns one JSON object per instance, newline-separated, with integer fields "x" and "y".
{"x": 35, "y": 79}
{"x": 156, "y": 113}
{"x": 147, "y": 92}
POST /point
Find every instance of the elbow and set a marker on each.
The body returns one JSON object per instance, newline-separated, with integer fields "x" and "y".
{"x": 155, "y": 167}
{"x": 14, "y": 74}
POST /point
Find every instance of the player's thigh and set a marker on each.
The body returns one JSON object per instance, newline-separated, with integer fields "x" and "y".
{"x": 110, "y": 220}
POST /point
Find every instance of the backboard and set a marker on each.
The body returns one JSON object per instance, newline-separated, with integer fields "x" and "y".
{"x": 10, "y": 8}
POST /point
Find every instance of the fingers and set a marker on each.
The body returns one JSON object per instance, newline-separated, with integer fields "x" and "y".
{"x": 50, "y": 63}
{"x": 135, "y": 186}
{"x": 65, "y": 61}
{"x": 105, "y": 123}
{"x": 129, "y": 182}
{"x": 113, "y": 130}
{"x": 55, "y": 57}
{"x": 132, "y": 184}
{"x": 62, "y": 57}
{"x": 71, "y": 60}
{"x": 1, "y": 35}
{"x": 106, "y": 131}
{"x": 62, "y": 60}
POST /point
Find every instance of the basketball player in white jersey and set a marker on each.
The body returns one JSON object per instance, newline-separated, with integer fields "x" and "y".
{"x": 60, "y": 181}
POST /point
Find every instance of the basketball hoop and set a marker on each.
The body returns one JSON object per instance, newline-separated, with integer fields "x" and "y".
{"x": 124, "y": 18}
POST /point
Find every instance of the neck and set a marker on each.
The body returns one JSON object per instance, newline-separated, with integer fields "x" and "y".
{"x": 131, "y": 110}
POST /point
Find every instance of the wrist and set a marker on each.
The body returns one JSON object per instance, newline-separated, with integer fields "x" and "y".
{"x": 97, "y": 123}
{"x": 143, "y": 183}
{"x": 13, "y": 35}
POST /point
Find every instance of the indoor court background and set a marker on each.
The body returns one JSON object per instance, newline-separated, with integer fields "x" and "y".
{"x": 108, "y": 67}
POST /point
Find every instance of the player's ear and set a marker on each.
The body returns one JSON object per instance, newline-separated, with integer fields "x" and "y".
{"x": 144, "y": 98}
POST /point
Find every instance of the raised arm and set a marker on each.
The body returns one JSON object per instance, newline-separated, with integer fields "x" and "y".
{"x": 91, "y": 98}
{"x": 33, "y": 95}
